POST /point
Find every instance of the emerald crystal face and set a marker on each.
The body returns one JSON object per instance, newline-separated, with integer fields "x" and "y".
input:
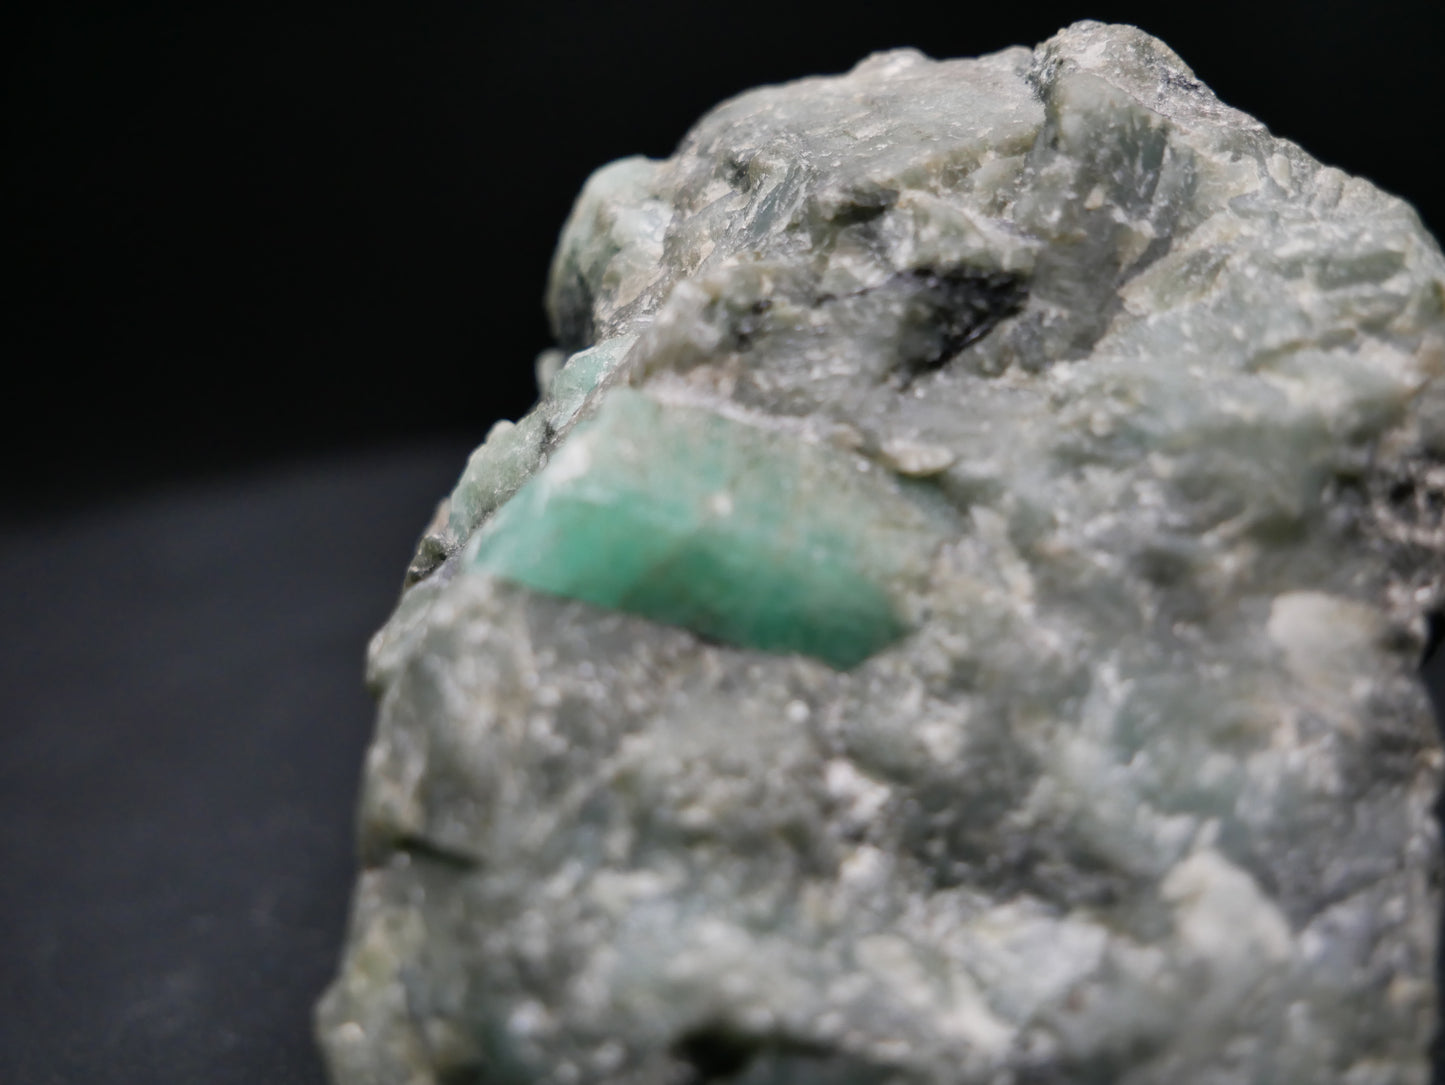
{"x": 748, "y": 536}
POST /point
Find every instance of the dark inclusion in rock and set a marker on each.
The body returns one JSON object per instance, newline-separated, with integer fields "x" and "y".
{"x": 950, "y": 619}
{"x": 955, "y": 308}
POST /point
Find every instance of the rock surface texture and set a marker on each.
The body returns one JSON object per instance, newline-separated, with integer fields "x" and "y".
{"x": 952, "y": 616}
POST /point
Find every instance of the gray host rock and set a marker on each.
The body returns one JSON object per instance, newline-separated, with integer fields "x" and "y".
{"x": 952, "y": 616}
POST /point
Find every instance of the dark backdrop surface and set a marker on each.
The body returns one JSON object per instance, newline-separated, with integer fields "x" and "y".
{"x": 180, "y": 745}
{"x": 280, "y": 264}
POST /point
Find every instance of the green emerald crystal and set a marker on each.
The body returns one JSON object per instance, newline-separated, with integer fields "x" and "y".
{"x": 581, "y": 374}
{"x": 512, "y": 452}
{"x": 748, "y": 536}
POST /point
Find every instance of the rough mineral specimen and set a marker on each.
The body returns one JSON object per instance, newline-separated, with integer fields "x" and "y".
{"x": 953, "y": 618}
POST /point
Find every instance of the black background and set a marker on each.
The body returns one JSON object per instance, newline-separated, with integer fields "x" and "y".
{"x": 248, "y": 232}
{"x": 277, "y": 266}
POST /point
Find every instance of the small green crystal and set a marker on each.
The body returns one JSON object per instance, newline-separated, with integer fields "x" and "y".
{"x": 744, "y": 535}
{"x": 580, "y": 375}
{"x": 504, "y": 461}
{"x": 512, "y": 452}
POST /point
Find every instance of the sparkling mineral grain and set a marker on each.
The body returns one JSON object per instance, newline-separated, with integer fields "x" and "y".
{"x": 951, "y": 618}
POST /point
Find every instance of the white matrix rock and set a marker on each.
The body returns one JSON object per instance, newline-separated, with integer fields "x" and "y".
{"x": 1140, "y": 794}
